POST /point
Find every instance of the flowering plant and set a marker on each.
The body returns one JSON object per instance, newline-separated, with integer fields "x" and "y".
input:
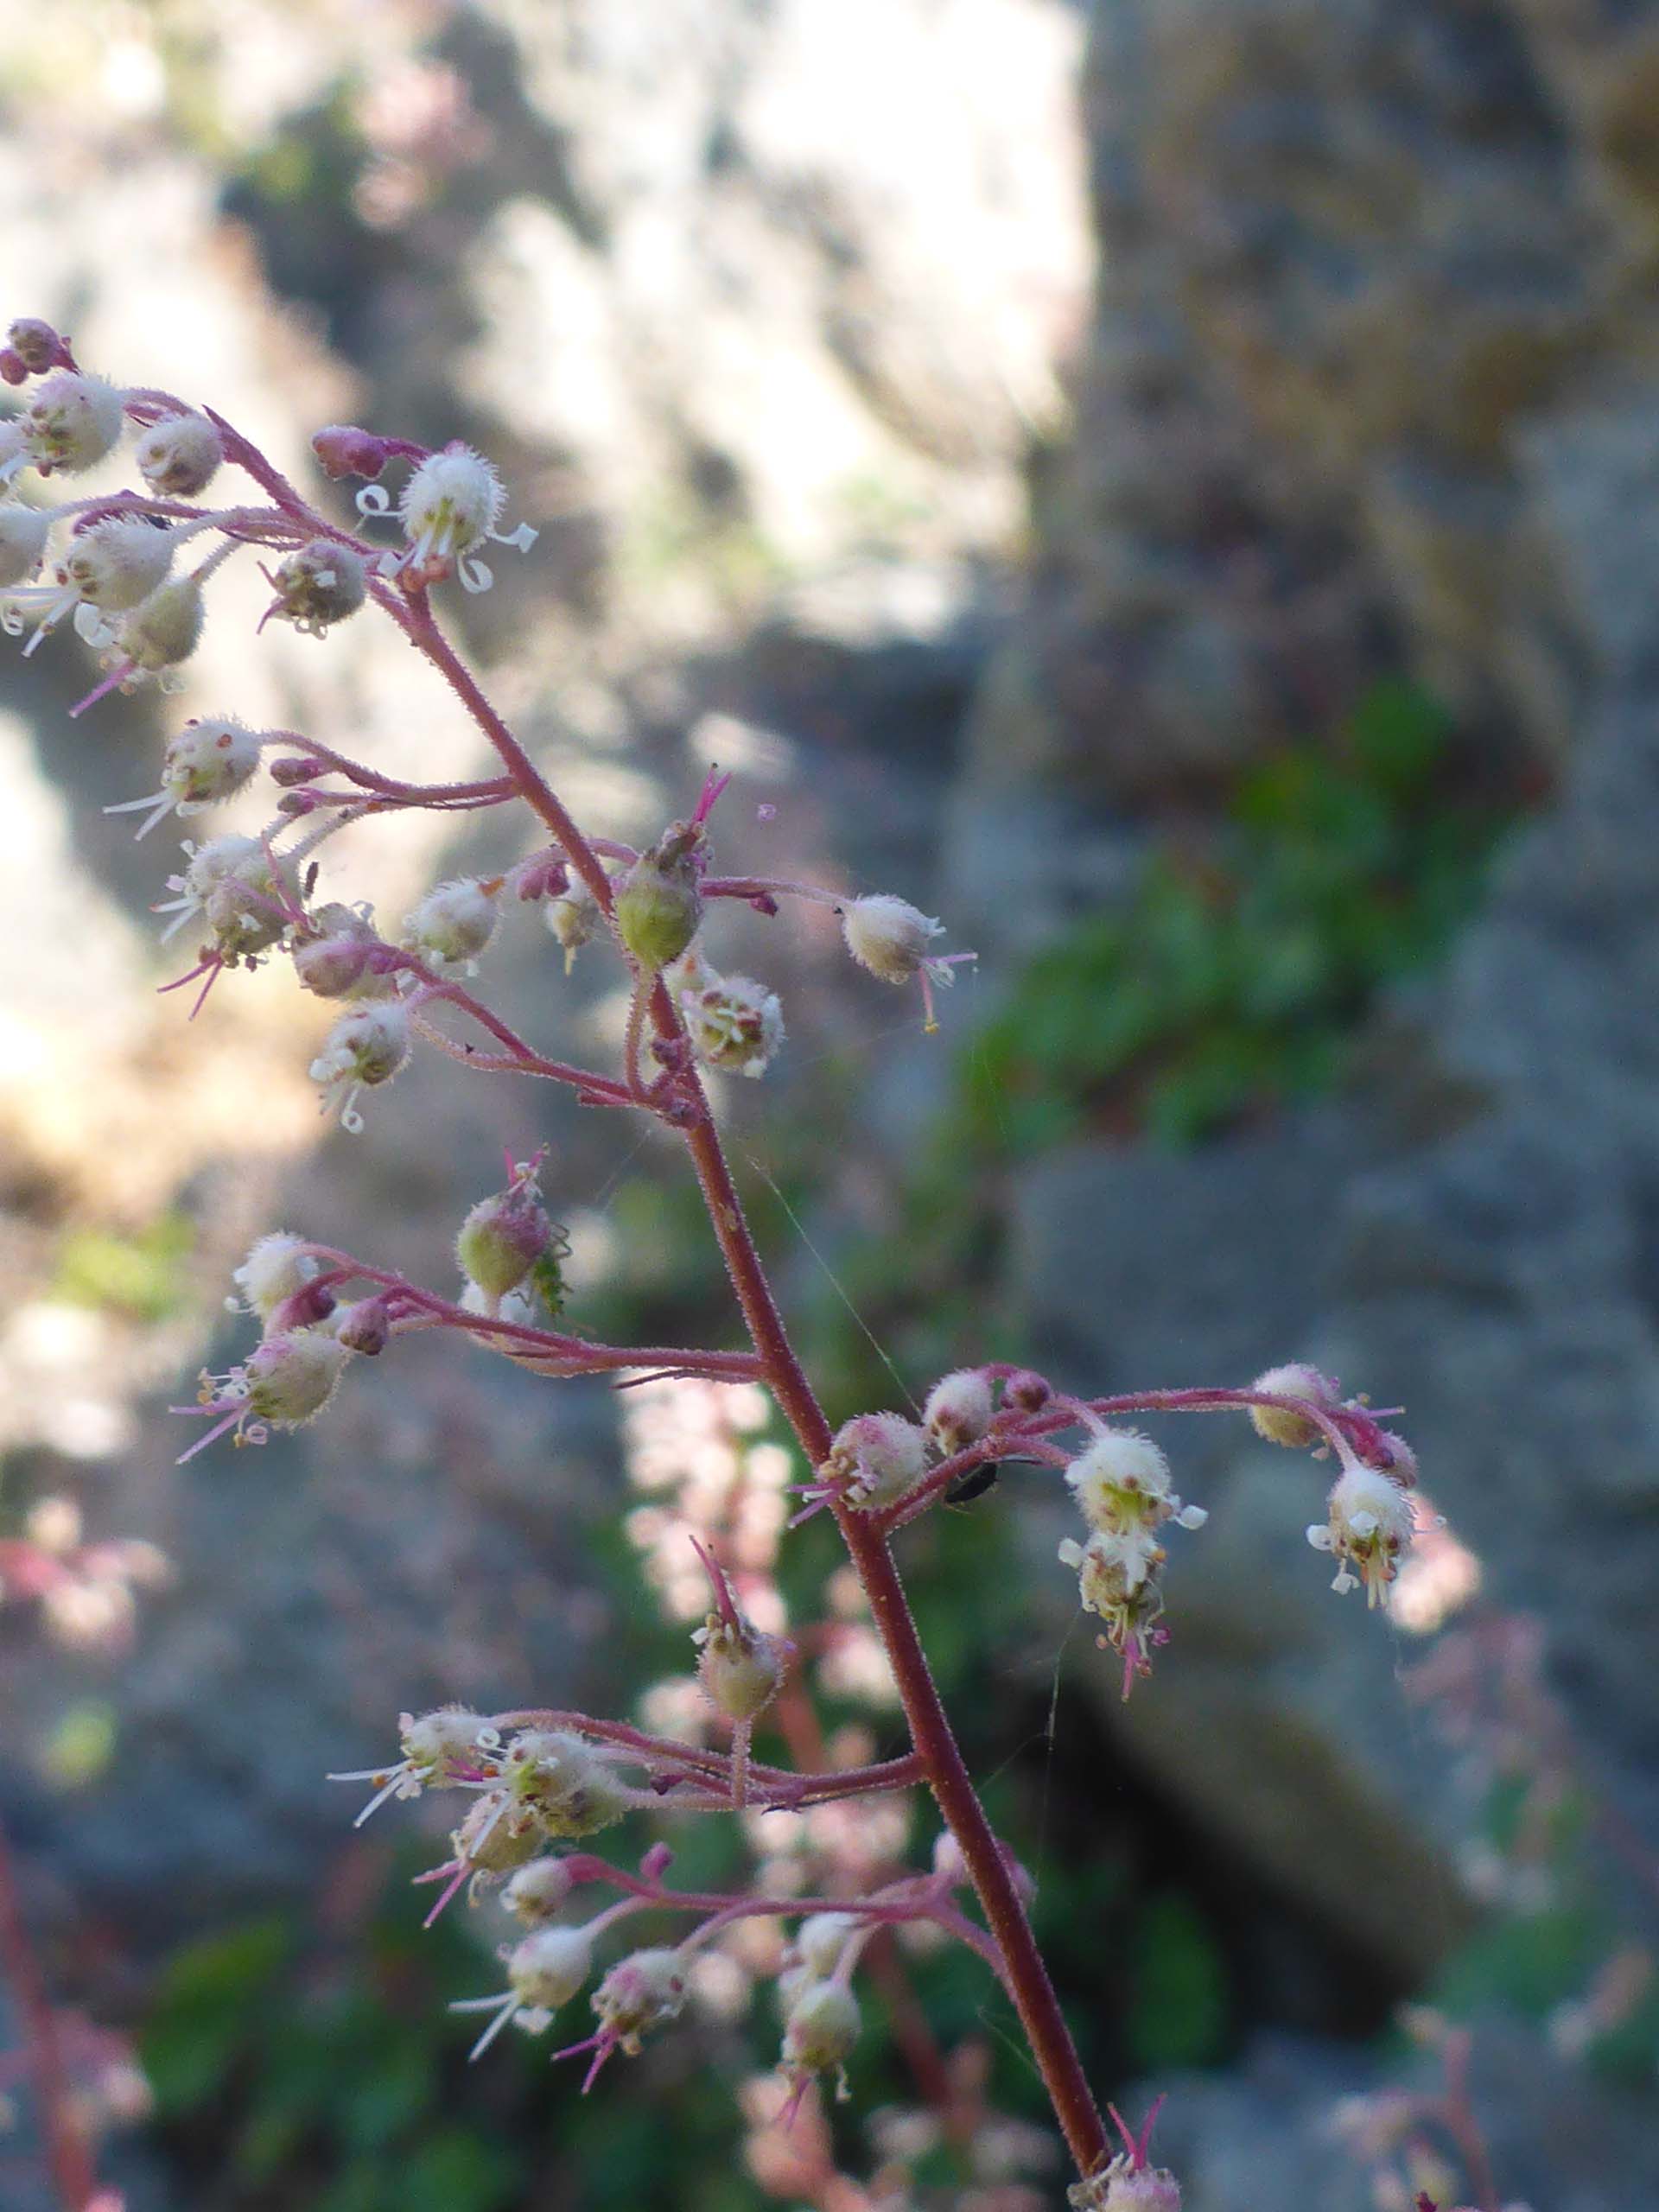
{"x": 131, "y": 571}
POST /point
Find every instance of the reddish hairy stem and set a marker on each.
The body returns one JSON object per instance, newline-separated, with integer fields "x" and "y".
{"x": 599, "y": 1359}
{"x": 415, "y": 618}
{"x": 68, "y": 2157}
{"x": 1026, "y": 1975}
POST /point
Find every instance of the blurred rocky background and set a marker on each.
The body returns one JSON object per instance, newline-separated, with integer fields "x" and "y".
{"x": 1169, "y": 485}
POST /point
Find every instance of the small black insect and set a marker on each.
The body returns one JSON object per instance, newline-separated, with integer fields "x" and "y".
{"x": 972, "y": 1483}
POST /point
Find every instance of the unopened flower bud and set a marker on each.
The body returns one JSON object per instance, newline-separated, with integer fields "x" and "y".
{"x": 338, "y": 960}
{"x": 364, "y": 1049}
{"x": 658, "y": 903}
{"x": 342, "y": 451}
{"x": 640, "y": 1993}
{"x": 572, "y": 917}
{"x": 364, "y": 1326}
{"x": 878, "y": 1456}
{"x": 543, "y": 875}
{"x": 23, "y": 533}
{"x": 948, "y": 1859}
{"x": 319, "y": 585}
{"x": 1026, "y": 1392}
{"x": 36, "y": 345}
{"x": 165, "y": 629}
{"x": 72, "y": 422}
{"x": 549, "y": 1967}
{"x": 503, "y": 1237}
{"x": 537, "y": 1891}
{"x": 180, "y": 455}
{"x": 1400, "y": 1459}
{"x": 958, "y": 1409}
{"x": 278, "y": 1267}
{"x": 453, "y": 924}
{"x": 291, "y": 1377}
{"x": 295, "y": 769}
{"x": 1278, "y": 1424}
{"x": 821, "y": 2029}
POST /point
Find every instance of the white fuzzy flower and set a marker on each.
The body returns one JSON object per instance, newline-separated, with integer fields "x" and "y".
{"x": 888, "y": 935}
{"x": 366, "y": 1048}
{"x": 958, "y": 1409}
{"x": 205, "y": 764}
{"x": 451, "y": 1748}
{"x": 23, "y": 533}
{"x": 544, "y": 1971}
{"x": 1121, "y": 1481}
{"x": 73, "y": 421}
{"x": 876, "y": 1459}
{"x": 822, "y": 1938}
{"x": 161, "y": 632}
{"x": 537, "y": 1891}
{"x": 283, "y": 1383}
{"x": 734, "y": 1022}
{"x": 109, "y": 567}
{"x": 1368, "y": 1524}
{"x": 277, "y": 1267}
{"x": 453, "y": 923}
{"x": 890, "y": 938}
{"x": 231, "y": 888}
{"x": 319, "y": 585}
{"x": 573, "y": 918}
{"x": 450, "y": 505}
{"x": 821, "y": 2029}
{"x": 640, "y": 1993}
{"x": 563, "y": 1782}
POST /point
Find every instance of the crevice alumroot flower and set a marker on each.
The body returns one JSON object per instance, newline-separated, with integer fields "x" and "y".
{"x": 450, "y": 506}
{"x": 890, "y": 938}
{"x": 537, "y": 1792}
{"x": 1121, "y": 1485}
{"x": 1129, "y": 2182}
{"x": 365, "y": 1049}
{"x": 1368, "y": 1524}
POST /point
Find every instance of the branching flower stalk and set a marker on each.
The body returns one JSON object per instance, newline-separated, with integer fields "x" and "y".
{"x": 533, "y": 1780}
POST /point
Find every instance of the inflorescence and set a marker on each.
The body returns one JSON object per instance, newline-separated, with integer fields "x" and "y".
{"x": 128, "y": 571}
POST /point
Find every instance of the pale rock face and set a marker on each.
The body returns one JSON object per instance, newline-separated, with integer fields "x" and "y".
{"x": 846, "y": 318}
